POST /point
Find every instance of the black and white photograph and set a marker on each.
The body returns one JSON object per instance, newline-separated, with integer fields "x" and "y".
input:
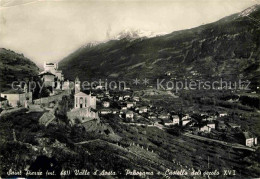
{"x": 130, "y": 89}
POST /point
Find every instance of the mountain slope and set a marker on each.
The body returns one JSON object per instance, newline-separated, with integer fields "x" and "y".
{"x": 226, "y": 48}
{"x": 14, "y": 67}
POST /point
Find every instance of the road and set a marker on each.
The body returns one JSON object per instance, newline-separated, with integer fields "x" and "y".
{"x": 233, "y": 145}
{"x": 159, "y": 126}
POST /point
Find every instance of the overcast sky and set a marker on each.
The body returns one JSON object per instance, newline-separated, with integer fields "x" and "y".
{"x": 45, "y": 30}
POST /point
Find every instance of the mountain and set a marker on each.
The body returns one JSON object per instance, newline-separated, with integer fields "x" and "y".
{"x": 135, "y": 34}
{"x": 228, "y": 48}
{"x": 14, "y": 67}
{"x": 129, "y": 34}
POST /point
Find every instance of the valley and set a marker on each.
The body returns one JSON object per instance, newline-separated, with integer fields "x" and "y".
{"x": 179, "y": 105}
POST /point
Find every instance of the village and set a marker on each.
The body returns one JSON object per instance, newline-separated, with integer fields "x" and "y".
{"x": 128, "y": 108}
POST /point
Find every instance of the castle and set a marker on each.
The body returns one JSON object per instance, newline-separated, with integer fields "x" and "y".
{"x": 53, "y": 68}
{"x": 51, "y": 76}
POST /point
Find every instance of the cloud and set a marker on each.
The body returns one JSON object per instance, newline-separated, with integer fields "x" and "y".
{"x": 11, "y": 3}
{"x": 108, "y": 31}
{"x": 50, "y": 30}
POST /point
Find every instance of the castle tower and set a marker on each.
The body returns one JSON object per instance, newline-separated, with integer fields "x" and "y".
{"x": 77, "y": 85}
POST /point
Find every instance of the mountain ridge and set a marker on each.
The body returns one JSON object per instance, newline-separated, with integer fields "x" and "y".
{"x": 15, "y": 67}
{"x": 231, "y": 40}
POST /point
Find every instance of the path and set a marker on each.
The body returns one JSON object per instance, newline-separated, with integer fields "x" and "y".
{"x": 233, "y": 145}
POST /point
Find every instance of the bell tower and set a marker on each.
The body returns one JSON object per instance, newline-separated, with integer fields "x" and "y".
{"x": 77, "y": 85}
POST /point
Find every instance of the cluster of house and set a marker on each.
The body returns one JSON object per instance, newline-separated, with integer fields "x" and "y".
{"x": 131, "y": 107}
{"x": 123, "y": 104}
{"x": 214, "y": 122}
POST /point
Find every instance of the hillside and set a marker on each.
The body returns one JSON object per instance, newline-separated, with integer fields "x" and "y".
{"x": 145, "y": 149}
{"x": 228, "y": 48}
{"x": 13, "y": 67}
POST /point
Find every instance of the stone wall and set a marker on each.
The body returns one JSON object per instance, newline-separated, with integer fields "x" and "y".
{"x": 49, "y": 99}
{"x": 10, "y": 111}
{"x": 84, "y": 115}
{"x": 46, "y": 118}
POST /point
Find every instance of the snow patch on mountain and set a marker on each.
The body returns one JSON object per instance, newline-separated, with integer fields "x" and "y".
{"x": 130, "y": 34}
{"x": 248, "y": 11}
{"x": 92, "y": 44}
{"x": 136, "y": 33}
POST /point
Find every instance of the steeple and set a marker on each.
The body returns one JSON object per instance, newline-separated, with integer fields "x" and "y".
{"x": 25, "y": 88}
{"x": 77, "y": 85}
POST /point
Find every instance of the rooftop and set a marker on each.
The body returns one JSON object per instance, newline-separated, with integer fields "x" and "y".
{"x": 233, "y": 124}
{"x": 247, "y": 135}
{"x": 129, "y": 112}
{"x": 166, "y": 120}
{"x": 2, "y": 99}
{"x": 81, "y": 94}
{"x": 46, "y": 73}
{"x": 13, "y": 91}
{"x": 106, "y": 109}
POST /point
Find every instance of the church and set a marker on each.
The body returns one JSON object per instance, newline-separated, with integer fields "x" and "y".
{"x": 84, "y": 106}
{"x": 82, "y": 100}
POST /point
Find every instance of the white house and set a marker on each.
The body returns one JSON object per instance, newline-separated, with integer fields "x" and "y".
{"x": 143, "y": 109}
{"x": 185, "y": 121}
{"x": 205, "y": 129}
{"x": 211, "y": 125}
{"x": 123, "y": 107}
{"x": 106, "y": 104}
{"x": 129, "y": 114}
{"x": 250, "y": 140}
{"x": 222, "y": 114}
{"x": 17, "y": 97}
{"x": 136, "y": 98}
{"x": 208, "y": 127}
{"x": 175, "y": 119}
{"x": 129, "y": 105}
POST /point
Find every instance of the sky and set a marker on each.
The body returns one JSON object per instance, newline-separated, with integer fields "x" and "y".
{"x": 49, "y": 30}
